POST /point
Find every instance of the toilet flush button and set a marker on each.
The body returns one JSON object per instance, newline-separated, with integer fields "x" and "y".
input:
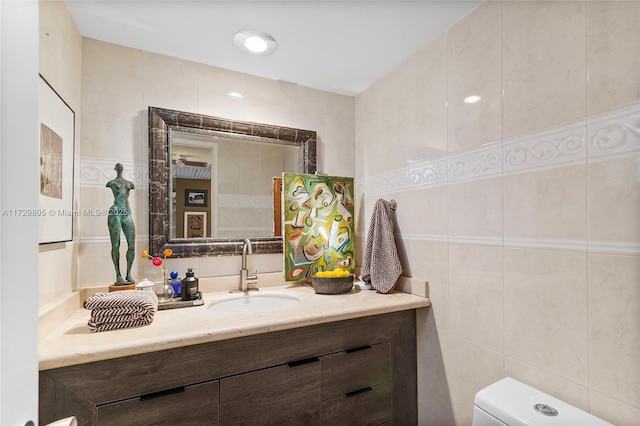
{"x": 545, "y": 409}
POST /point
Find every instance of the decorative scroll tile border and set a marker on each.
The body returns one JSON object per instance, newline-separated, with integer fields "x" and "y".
{"x": 611, "y": 135}
{"x": 615, "y": 134}
{"x": 99, "y": 171}
{"x": 475, "y": 164}
{"x": 428, "y": 173}
{"x": 557, "y": 147}
{"x": 391, "y": 181}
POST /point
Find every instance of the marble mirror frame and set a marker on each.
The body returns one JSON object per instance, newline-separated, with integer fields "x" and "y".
{"x": 161, "y": 123}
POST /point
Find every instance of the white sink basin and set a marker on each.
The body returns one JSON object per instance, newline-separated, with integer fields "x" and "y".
{"x": 254, "y": 302}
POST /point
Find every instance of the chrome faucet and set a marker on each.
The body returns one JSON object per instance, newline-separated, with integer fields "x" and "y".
{"x": 245, "y": 278}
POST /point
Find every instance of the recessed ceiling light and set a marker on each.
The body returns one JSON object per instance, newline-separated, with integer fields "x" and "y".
{"x": 235, "y": 95}
{"x": 255, "y": 42}
{"x": 472, "y": 99}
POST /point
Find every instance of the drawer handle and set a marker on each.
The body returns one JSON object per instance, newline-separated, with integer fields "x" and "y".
{"x": 161, "y": 393}
{"x": 359, "y": 348}
{"x": 303, "y": 361}
{"x": 359, "y": 391}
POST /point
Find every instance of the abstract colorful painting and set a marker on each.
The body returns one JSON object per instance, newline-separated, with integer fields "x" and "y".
{"x": 318, "y": 224}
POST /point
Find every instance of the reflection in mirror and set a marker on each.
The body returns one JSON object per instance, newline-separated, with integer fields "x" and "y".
{"x": 235, "y": 194}
{"x": 211, "y": 181}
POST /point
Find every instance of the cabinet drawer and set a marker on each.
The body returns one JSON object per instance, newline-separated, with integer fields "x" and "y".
{"x": 190, "y": 405}
{"x": 369, "y": 406}
{"x": 355, "y": 369}
{"x": 284, "y": 395}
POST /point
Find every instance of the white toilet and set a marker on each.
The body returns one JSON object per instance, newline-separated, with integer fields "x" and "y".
{"x": 510, "y": 402}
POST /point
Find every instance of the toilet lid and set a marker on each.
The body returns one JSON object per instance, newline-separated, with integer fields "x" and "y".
{"x": 516, "y": 403}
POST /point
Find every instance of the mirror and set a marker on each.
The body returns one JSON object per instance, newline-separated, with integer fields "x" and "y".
{"x": 211, "y": 181}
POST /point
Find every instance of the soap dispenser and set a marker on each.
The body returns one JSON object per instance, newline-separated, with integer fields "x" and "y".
{"x": 175, "y": 283}
{"x": 189, "y": 286}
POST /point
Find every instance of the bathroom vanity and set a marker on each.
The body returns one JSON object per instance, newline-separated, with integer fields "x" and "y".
{"x": 354, "y": 364}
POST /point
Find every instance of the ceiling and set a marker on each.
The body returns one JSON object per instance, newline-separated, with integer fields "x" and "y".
{"x": 337, "y": 46}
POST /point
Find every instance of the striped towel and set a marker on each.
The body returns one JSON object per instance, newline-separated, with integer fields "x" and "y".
{"x": 121, "y": 309}
{"x": 381, "y": 265}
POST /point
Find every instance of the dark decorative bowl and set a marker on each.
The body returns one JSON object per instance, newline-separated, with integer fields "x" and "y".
{"x": 332, "y": 285}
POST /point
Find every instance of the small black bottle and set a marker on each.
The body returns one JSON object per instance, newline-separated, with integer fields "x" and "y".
{"x": 189, "y": 286}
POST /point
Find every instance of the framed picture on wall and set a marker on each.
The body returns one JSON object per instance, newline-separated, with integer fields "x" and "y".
{"x": 196, "y": 197}
{"x": 57, "y": 135}
{"x": 195, "y": 224}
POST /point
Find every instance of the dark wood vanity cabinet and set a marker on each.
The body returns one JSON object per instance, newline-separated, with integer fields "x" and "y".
{"x": 356, "y": 386}
{"x": 352, "y": 372}
{"x": 186, "y": 405}
{"x": 282, "y": 395}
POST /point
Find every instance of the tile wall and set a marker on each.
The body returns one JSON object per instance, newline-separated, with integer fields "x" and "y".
{"x": 522, "y": 210}
{"x": 120, "y": 83}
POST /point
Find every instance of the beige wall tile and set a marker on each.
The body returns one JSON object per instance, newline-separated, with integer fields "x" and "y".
{"x": 614, "y": 203}
{"x": 614, "y": 411}
{"x": 427, "y": 417}
{"x": 159, "y": 94}
{"x": 112, "y": 117}
{"x": 475, "y": 210}
{"x": 544, "y": 65}
{"x": 552, "y": 384}
{"x": 613, "y": 55}
{"x": 101, "y": 272}
{"x": 427, "y": 120}
{"x": 338, "y": 151}
{"x": 434, "y": 396}
{"x": 60, "y": 51}
{"x": 475, "y": 68}
{"x": 476, "y": 294}
{"x": 614, "y": 326}
{"x": 408, "y": 122}
{"x": 545, "y": 311}
{"x": 464, "y": 378}
{"x": 100, "y": 58}
{"x": 429, "y": 261}
{"x": 258, "y": 88}
{"x": 57, "y": 271}
{"x": 169, "y": 71}
{"x": 548, "y": 205}
{"x": 423, "y": 211}
{"x": 220, "y": 105}
{"x": 220, "y": 80}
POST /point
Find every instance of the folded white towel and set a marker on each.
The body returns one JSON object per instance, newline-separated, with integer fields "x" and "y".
{"x": 121, "y": 309}
{"x": 381, "y": 265}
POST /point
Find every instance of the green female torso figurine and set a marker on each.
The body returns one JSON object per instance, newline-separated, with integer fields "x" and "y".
{"x": 120, "y": 219}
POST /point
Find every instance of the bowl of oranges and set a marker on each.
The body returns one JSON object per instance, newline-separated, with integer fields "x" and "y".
{"x": 336, "y": 281}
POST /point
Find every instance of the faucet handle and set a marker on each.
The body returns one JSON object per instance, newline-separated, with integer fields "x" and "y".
{"x": 254, "y": 278}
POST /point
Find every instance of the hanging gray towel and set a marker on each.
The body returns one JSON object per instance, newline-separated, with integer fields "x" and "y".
{"x": 381, "y": 265}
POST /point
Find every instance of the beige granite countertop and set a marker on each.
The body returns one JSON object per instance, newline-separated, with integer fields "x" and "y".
{"x": 72, "y": 343}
